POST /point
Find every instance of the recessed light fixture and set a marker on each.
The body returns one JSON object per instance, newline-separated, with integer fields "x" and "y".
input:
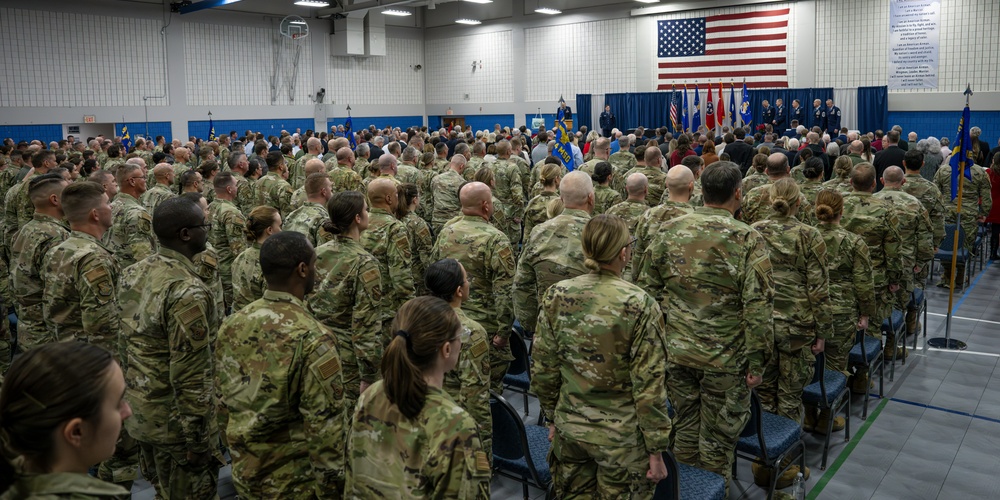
{"x": 548, "y": 10}
{"x": 468, "y": 21}
{"x": 397, "y": 12}
{"x": 312, "y": 3}
{"x": 479, "y": 1}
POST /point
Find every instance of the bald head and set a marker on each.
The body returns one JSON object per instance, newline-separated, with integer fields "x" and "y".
{"x": 387, "y": 164}
{"x": 777, "y": 165}
{"x": 892, "y": 177}
{"x": 314, "y": 166}
{"x": 164, "y": 173}
{"x": 856, "y": 147}
{"x": 314, "y": 145}
{"x": 577, "y": 191}
{"x": 457, "y": 162}
{"x": 476, "y": 199}
{"x": 382, "y": 193}
{"x": 345, "y": 156}
{"x": 636, "y": 185}
{"x": 680, "y": 181}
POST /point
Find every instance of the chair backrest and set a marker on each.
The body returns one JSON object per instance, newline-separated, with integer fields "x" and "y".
{"x": 949, "y": 238}
{"x": 672, "y": 484}
{"x": 859, "y": 338}
{"x": 755, "y": 425}
{"x": 819, "y": 373}
{"x": 520, "y": 352}
{"x": 510, "y": 440}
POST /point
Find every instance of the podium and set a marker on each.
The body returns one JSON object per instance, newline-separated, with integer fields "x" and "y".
{"x": 569, "y": 125}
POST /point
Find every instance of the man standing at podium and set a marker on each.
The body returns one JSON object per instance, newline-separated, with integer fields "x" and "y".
{"x": 566, "y": 110}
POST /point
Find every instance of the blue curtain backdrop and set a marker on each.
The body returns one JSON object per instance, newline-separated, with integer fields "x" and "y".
{"x": 805, "y": 97}
{"x": 873, "y": 108}
{"x": 581, "y": 113}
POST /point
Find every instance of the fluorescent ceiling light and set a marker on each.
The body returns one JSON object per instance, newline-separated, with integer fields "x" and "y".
{"x": 312, "y": 3}
{"x": 648, "y": 1}
{"x": 468, "y": 21}
{"x": 297, "y": 22}
{"x": 479, "y": 1}
{"x": 548, "y": 10}
{"x": 397, "y": 12}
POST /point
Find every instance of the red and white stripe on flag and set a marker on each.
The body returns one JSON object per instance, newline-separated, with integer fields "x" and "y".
{"x": 750, "y": 45}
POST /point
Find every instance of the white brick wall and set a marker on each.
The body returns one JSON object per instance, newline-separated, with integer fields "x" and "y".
{"x": 450, "y": 75}
{"x": 378, "y": 80}
{"x": 581, "y": 58}
{"x": 62, "y": 59}
{"x": 232, "y": 66}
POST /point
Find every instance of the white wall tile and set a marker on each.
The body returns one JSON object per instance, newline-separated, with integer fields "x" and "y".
{"x": 449, "y": 69}
{"x": 390, "y": 79}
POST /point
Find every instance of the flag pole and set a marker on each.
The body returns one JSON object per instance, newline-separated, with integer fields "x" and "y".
{"x": 947, "y": 342}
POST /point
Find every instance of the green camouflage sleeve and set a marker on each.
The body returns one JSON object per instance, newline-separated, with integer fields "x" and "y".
{"x": 925, "y": 239}
{"x": 236, "y": 232}
{"x": 325, "y": 419}
{"x": 545, "y": 377}
{"x": 463, "y": 467}
{"x": 140, "y": 238}
{"x": 366, "y": 323}
{"x": 98, "y": 307}
{"x": 818, "y": 285}
{"x": 189, "y": 321}
{"x": 864, "y": 282}
{"x": 423, "y": 243}
{"x": 758, "y": 304}
{"x": 985, "y": 198}
{"x": 475, "y": 379}
{"x": 516, "y": 188}
{"x": 501, "y": 263}
{"x": 285, "y": 199}
{"x": 935, "y": 210}
{"x": 649, "y": 378}
{"x": 647, "y": 278}
{"x": 892, "y": 247}
{"x": 400, "y": 260}
{"x": 526, "y": 291}
{"x": 10, "y": 226}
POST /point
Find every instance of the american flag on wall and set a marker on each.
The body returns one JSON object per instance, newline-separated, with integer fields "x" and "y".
{"x": 725, "y": 47}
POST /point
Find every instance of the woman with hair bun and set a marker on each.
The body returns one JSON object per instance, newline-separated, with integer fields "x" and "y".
{"x": 801, "y": 316}
{"x": 618, "y": 454}
{"x": 61, "y": 410}
{"x": 348, "y": 293}
{"x": 852, "y": 287}
{"x": 248, "y": 279}
{"x": 604, "y": 196}
{"x": 408, "y": 437}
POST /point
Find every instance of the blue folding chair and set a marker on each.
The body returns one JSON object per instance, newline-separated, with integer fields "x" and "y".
{"x": 944, "y": 253}
{"x": 828, "y": 391}
{"x": 518, "y": 377}
{"x": 688, "y": 483}
{"x": 867, "y": 355}
{"x": 918, "y": 299}
{"x": 895, "y": 324}
{"x": 768, "y": 439}
{"x": 519, "y": 451}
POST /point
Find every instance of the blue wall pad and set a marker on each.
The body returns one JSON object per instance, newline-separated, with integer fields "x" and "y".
{"x": 267, "y": 127}
{"x": 44, "y": 133}
{"x": 151, "y": 129}
{"x": 945, "y": 123}
{"x": 360, "y": 122}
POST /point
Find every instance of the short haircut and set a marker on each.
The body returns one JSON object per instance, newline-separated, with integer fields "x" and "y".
{"x": 174, "y": 214}
{"x": 79, "y": 198}
{"x": 43, "y": 186}
{"x": 282, "y": 253}
{"x": 315, "y": 183}
{"x": 913, "y": 159}
{"x": 189, "y": 177}
{"x": 274, "y": 158}
{"x": 863, "y": 175}
{"x": 39, "y": 158}
{"x": 125, "y": 171}
{"x": 719, "y": 182}
{"x": 223, "y": 180}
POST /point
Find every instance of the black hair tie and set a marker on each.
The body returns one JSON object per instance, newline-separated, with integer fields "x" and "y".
{"x": 405, "y": 334}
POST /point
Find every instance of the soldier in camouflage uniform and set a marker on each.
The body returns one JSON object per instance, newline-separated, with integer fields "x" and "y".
{"x": 509, "y": 190}
{"x": 485, "y": 253}
{"x": 695, "y": 164}
{"x": 272, "y": 189}
{"x": 929, "y": 196}
{"x": 295, "y": 381}
{"x": 476, "y": 161}
{"x": 387, "y": 240}
{"x": 245, "y": 198}
{"x": 131, "y": 236}
{"x": 445, "y": 185}
{"x": 115, "y": 159}
{"x": 417, "y": 231}
{"x": 18, "y": 208}
{"x": 632, "y": 211}
{"x": 602, "y": 151}
{"x": 651, "y": 168}
{"x": 343, "y": 177}
{"x": 756, "y": 204}
{"x": 45, "y": 230}
{"x": 162, "y": 190}
{"x": 361, "y": 162}
{"x": 712, "y": 278}
{"x": 406, "y": 169}
{"x": 311, "y": 216}
{"x": 755, "y": 174}
{"x": 812, "y": 170}
{"x": 841, "y": 182}
{"x": 610, "y": 426}
{"x": 623, "y": 161}
{"x": 348, "y": 296}
{"x": 852, "y": 289}
{"x": 469, "y": 383}
{"x": 604, "y": 196}
{"x": 79, "y": 300}
{"x": 802, "y": 321}
{"x": 553, "y": 251}
{"x": 299, "y": 197}
{"x": 876, "y": 222}
{"x": 228, "y": 234}
{"x": 248, "y": 279}
{"x": 976, "y": 204}
{"x": 414, "y": 438}
{"x": 549, "y": 179}
{"x": 167, "y": 328}
{"x": 297, "y": 172}
{"x": 680, "y": 185}
{"x": 916, "y": 246}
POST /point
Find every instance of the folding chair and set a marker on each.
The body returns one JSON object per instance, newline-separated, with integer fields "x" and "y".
{"x": 828, "y": 391}
{"x": 944, "y": 252}
{"x": 895, "y": 324}
{"x": 918, "y": 299}
{"x": 519, "y": 451}
{"x": 518, "y": 377}
{"x": 688, "y": 483}
{"x": 867, "y": 355}
{"x": 768, "y": 439}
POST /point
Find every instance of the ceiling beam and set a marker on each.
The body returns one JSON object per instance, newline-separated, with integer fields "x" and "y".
{"x": 204, "y": 4}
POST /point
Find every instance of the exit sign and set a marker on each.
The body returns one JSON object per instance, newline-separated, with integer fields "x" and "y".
{"x": 89, "y": 119}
